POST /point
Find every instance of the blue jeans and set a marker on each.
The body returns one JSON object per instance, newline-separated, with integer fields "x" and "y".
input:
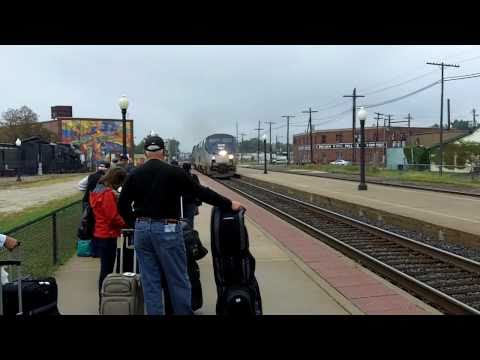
{"x": 161, "y": 251}
{"x": 189, "y": 213}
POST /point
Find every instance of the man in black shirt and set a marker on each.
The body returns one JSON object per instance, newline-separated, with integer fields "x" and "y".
{"x": 154, "y": 189}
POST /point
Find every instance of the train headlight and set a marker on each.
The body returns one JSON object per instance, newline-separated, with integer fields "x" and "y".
{"x": 230, "y": 157}
{"x": 213, "y": 157}
{"x": 222, "y": 153}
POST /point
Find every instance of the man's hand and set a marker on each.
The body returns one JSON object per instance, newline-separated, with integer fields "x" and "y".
{"x": 236, "y": 206}
{"x": 10, "y": 243}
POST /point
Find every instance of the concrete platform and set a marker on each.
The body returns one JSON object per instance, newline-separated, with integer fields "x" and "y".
{"x": 297, "y": 274}
{"x": 286, "y": 288}
{"x": 445, "y": 210}
{"x": 357, "y": 289}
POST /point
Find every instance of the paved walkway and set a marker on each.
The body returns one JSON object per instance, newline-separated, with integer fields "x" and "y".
{"x": 37, "y": 195}
{"x": 447, "y": 210}
{"x": 286, "y": 287}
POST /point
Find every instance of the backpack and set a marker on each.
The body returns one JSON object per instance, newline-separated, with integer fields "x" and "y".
{"x": 87, "y": 224}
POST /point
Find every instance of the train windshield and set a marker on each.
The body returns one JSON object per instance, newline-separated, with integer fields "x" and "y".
{"x": 217, "y": 143}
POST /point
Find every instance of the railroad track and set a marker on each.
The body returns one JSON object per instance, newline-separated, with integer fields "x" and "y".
{"x": 376, "y": 182}
{"x": 445, "y": 280}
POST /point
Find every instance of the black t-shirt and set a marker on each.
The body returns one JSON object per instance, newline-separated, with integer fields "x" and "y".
{"x": 155, "y": 189}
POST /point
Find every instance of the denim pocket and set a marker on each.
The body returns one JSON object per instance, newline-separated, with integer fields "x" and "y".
{"x": 168, "y": 235}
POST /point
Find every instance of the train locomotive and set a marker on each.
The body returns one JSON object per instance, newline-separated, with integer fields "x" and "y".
{"x": 216, "y": 156}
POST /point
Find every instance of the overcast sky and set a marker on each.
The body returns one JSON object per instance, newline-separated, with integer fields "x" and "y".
{"x": 189, "y": 92}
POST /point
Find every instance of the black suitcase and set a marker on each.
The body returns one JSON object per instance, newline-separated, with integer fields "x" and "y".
{"x": 28, "y": 296}
{"x": 233, "y": 265}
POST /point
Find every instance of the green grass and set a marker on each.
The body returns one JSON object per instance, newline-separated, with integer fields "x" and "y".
{"x": 424, "y": 177}
{"x": 9, "y": 221}
{"x": 36, "y": 181}
{"x": 37, "y": 251}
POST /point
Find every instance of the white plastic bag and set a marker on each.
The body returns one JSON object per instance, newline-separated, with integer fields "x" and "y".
{"x": 4, "y": 276}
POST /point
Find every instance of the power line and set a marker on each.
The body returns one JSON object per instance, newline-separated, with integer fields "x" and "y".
{"x": 401, "y": 97}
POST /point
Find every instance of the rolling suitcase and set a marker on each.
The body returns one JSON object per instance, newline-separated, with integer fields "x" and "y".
{"x": 26, "y": 296}
{"x": 122, "y": 292}
{"x": 233, "y": 265}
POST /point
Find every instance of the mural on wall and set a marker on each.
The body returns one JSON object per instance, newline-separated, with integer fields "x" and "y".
{"x": 96, "y": 139}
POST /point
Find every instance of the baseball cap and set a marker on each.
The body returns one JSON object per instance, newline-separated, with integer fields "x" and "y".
{"x": 154, "y": 143}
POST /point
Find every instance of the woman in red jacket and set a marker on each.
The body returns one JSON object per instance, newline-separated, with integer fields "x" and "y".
{"x": 108, "y": 222}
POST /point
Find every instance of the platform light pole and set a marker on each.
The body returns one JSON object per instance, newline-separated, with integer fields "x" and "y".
{"x": 123, "y": 103}
{"x": 264, "y": 137}
{"x": 19, "y": 157}
{"x": 362, "y": 116}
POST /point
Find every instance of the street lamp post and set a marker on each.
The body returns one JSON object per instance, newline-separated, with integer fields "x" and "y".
{"x": 264, "y": 154}
{"x": 123, "y": 103}
{"x": 19, "y": 157}
{"x": 362, "y": 116}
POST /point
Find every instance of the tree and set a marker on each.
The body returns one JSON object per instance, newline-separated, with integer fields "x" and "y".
{"x": 22, "y": 123}
{"x": 139, "y": 148}
{"x": 461, "y": 124}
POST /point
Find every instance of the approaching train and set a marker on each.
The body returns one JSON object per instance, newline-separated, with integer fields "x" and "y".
{"x": 216, "y": 156}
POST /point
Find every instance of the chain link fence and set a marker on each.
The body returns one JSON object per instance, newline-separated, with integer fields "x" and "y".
{"x": 47, "y": 242}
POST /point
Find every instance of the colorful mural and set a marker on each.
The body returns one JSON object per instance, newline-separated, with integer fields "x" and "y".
{"x": 96, "y": 139}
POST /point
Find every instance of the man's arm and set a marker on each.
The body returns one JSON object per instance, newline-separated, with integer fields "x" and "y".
{"x": 125, "y": 202}
{"x": 8, "y": 242}
{"x": 82, "y": 185}
{"x": 205, "y": 194}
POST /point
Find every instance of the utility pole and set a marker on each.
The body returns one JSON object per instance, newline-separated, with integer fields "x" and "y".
{"x": 288, "y": 136}
{"x": 385, "y": 137}
{"x": 354, "y": 97}
{"x": 442, "y": 65}
{"x": 258, "y": 143}
{"x": 310, "y": 111}
{"x": 236, "y": 123}
{"x": 241, "y": 152}
{"x": 377, "y": 118}
{"x": 410, "y": 118}
{"x": 448, "y": 112}
{"x": 474, "y": 118}
{"x": 270, "y": 137}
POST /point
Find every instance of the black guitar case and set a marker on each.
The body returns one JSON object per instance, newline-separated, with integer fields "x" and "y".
{"x": 233, "y": 265}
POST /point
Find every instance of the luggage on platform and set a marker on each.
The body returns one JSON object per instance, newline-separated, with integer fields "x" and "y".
{"x": 27, "y": 296}
{"x": 233, "y": 265}
{"x": 84, "y": 248}
{"x": 122, "y": 292}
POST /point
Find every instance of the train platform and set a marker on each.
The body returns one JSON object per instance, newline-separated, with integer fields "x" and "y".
{"x": 297, "y": 274}
{"x": 457, "y": 212}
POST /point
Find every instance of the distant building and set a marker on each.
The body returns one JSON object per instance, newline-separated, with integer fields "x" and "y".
{"x": 460, "y": 154}
{"x": 336, "y": 144}
{"x": 96, "y": 138}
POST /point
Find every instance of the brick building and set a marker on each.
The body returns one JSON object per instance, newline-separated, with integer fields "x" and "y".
{"x": 336, "y": 144}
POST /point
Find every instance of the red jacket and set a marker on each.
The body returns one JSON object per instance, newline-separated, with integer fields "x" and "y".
{"x": 108, "y": 221}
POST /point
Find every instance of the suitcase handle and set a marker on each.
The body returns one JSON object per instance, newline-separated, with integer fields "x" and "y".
{"x": 10, "y": 263}
{"x": 18, "y": 264}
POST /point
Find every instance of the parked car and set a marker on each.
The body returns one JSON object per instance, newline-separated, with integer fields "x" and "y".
{"x": 341, "y": 162}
